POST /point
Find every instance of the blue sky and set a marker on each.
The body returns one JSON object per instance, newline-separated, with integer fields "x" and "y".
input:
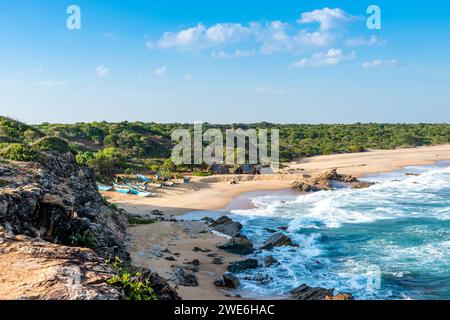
{"x": 220, "y": 61}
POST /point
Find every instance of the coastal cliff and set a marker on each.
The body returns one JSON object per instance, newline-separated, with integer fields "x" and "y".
{"x": 57, "y": 234}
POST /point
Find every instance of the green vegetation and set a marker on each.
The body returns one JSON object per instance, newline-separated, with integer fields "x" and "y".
{"x": 18, "y": 152}
{"x": 139, "y": 220}
{"x": 134, "y": 287}
{"x": 137, "y": 147}
{"x": 51, "y": 144}
{"x": 85, "y": 239}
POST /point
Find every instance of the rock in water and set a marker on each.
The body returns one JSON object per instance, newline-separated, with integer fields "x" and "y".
{"x": 308, "y": 293}
{"x": 270, "y": 261}
{"x": 238, "y": 245}
{"x": 228, "y": 280}
{"x": 240, "y": 266}
{"x": 227, "y": 226}
{"x": 277, "y": 240}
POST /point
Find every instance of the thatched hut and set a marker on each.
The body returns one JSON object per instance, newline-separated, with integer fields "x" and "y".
{"x": 245, "y": 169}
{"x": 218, "y": 169}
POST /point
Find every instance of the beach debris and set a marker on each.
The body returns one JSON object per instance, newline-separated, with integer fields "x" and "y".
{"x": 226, "y": 226}
{"x": 240, "y": 266}
{"x": 228, "y": 280}
{"x": 309, "y": 293}
{"x": 270, "y": 261}
{"x": 217, "y": 261}
{"x": 277, "y": 240}
{"x": 238, "y": 245}
{"x": 184, "y": 278}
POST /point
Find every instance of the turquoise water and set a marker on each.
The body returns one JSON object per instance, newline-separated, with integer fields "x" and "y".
{"x": 389, "y": 241}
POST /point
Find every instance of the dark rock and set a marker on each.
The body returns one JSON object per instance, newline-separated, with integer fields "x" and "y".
{"x": 217, "y": 261}
{"x": 308, "y": 293}
{"x": 277, "y": 240}
{"x": 240, "y": 266}
{"x": 362, "y": 185}
{"x": 192, "y": 265}
{"x": 228, "y": 280}
{"x": 270, "y": 230}
{"x": 170, "y": 259}
{"x": 226, "y": 226}
{"x": 261, "y": 278}
{"x": 157, "y": 213}
{"x": 184, "y": 278}
{"x": 270, "y": 261}
{"x": 238, "y": 245}
{"x": 197, "y": 249}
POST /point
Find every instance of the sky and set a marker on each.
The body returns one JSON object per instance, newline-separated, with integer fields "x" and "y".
{"x": 223, "y": 61}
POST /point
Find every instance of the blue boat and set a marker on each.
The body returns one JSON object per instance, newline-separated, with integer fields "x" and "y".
{"x": 104, "y": 188}
{"x": 143, "y": 178}
{"x": 121, "y": 189}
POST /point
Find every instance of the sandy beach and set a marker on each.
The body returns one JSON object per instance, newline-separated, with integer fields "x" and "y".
{"x": 215, "y": 193}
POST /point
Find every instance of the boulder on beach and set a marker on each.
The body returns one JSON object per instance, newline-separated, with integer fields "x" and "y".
{"x": 277, "y": 240}
{"x": 226, "y": 226}
{"x": 238, "y": 245}
{"x": 240, "y": 266}
{"x": 185, "y": 278}
{"x": 228, "y": 280}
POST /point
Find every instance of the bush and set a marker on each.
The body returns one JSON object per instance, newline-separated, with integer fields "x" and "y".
{"x": 51, "y": 144}
{"x": 201, "y": 174}
{"x": 135, "y": 288}
{"x": 140, "y": 220}
{"x": 19, "y": 152}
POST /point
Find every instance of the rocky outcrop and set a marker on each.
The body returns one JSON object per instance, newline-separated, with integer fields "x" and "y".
{"x": 238, "y": 245}
{"x": 324, "y": 181}
{"x": 58, "y": 201}
{"x": 277, "y": 240}
{"x": 308, "y": 293}
{"x": 39, "y": 270}
{"x": 56, "y": 231}
{"x": 226, "y": 226}
{"x": 239, "y": 266}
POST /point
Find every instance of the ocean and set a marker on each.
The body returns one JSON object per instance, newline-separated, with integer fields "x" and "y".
{"x": 389, "y": 241}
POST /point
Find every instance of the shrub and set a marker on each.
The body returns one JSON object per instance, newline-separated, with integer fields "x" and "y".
{"x": 201, "y": 174}
{"x": 51, "y": 144}
{"x": 19, "y": 152}
{"x": 83, "y": 239}
{"x": 135, "y": 288}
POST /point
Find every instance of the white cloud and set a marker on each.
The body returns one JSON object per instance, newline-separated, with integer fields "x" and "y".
{"x": 257, "y": 37}
{"x": 102, "y": 71}
{"x": 161, "y": 71}
{"x": 325, "y": 58}
{"x": 380, "y": 63}
{"x": 200, "y": 36}
{"x": 326, "y": 17}
{"x": 372, "y": 41}
{"x": 269, "y": 90}
{"x": 237, "y": 54}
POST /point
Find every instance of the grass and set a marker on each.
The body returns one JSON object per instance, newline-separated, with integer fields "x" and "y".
{"x": 140, "y": 221}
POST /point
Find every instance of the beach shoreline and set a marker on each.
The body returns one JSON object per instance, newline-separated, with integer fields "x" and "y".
{"x": 216, "y": 193}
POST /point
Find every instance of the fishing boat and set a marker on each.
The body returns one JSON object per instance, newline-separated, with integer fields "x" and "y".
{"x": 121, "y": 189}
{"x": 143, "y": 178}
{"x": 104, "y": 188}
